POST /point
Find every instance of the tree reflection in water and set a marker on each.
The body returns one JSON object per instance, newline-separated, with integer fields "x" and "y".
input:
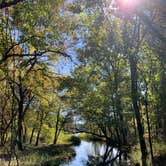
{"x": 110, "y": 157}
{"x": 96, "y": 154}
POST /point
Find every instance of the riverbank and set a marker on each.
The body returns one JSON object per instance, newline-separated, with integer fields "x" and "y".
{"x": 134, "y": 154}
{"x": 46, "y": 155}
{"x": 159, "y": 152}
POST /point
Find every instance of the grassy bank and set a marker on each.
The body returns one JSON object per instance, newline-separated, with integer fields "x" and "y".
{"x": 89, "y": 137}
{"x": 50, "y": 155}
{"x": 44, "y": 155}
{"x": 64, "y": 138}
{"x": 159, "y": 151}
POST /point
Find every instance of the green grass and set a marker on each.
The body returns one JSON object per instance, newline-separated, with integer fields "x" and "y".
{"x": 83, "y": 136}
{"x": 135, "y": 155}
{"x": 51, "y": 155}
{"x": 64, "y": 138}
{"x": 159, "y": 149}
{"x": 44, "y": 155}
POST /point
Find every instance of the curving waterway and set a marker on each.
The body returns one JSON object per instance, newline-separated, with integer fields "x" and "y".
{"x": 86, "y": 149}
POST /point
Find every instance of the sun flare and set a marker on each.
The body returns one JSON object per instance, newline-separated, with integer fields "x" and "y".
{"x": 128, "y": 4}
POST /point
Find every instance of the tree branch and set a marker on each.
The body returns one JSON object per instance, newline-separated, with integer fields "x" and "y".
{"x": 35, "y": 54}
{"x": 5, "y": 4}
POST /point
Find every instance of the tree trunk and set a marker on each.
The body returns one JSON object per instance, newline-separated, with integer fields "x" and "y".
{"x": 119, "y": 108}
{"x": 148, "y": 122}
{"x": 32, "y": 133}
{"x": 163, "y": 90}
{"x": 149, "y": 130}
{"x": 123, "y": 130}
{"x": 134, "y": 95}
{"x": 56, "y": 127}
{"x": 19, "y": 141}
{"x": 38, "y": 136}
{"x": 25, "y": 134}
{"x": 135, "y": 127}
{"x": 40, "y": 127}
{"x": 2, "y": 128}
{"x": 55, "y": 141}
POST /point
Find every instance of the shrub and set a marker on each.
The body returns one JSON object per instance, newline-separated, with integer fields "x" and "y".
{"x": 51, "y": 163}
{"x": 75, "y": 140}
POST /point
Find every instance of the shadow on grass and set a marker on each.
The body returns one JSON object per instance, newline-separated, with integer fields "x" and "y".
{"x": 50, "y": 155}
{"x": 53, "y": 155}
{"x": 53, "y": 150}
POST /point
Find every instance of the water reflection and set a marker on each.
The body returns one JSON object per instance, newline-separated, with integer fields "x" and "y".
{"x": 89, "y": 152}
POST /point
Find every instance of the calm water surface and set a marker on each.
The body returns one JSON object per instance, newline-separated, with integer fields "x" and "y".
{"x": 86, "y": 149}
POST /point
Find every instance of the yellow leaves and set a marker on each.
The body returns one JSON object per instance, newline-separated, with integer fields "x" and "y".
{"x": 31, "y": 49}
{"x": 81, "y": 14}
{"x": 1, "y": 74}
{"x": 17, "y": 49}
{"x": 44, "y": 103}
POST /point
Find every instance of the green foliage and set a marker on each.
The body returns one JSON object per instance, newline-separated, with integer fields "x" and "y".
{"x": 47, "y": 155}
{"x": 37, "y": 105}
{"x": 51, "y": 163}
{"x": 47, "y": 134}
{"x": 75, "y": 140}
{"x": 64, "y": 138}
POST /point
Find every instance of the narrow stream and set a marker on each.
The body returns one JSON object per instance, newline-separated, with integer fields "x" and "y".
{"x": 86, "y": 149}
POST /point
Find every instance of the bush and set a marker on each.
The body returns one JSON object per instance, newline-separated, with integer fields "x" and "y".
{"x": 75, "y": 140}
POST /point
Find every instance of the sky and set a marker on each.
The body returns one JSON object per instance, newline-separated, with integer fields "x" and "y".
{"x": 64, "y": 66}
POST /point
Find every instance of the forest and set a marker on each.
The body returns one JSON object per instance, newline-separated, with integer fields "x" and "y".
{"x": 82, "y": 82}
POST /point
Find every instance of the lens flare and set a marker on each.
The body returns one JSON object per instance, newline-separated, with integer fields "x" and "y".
{"x": 129, "y": 5}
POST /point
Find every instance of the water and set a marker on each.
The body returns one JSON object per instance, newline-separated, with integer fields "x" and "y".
{"x": 86, "y": 149}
